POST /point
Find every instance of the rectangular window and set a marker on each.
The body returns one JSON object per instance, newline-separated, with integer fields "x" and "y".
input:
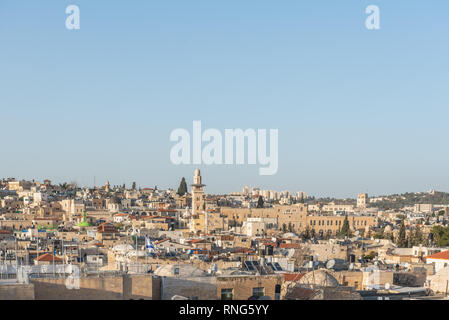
{"x": 226, "y": 294}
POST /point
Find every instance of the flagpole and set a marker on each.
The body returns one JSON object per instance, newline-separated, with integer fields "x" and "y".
{"x": 126, "y": 252}
{"x": 37, "y": 256}
{"x": 136, "y": 246}
{"x": 53, "y": 258}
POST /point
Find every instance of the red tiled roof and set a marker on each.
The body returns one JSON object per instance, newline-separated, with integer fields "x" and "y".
{"x": 49, "y": 257}
{"x": 293, "y": 276}
{"x": 444, "y": 255}
{"x": 5, "y": 232}
{"x": 198, "y": 241}
{"x": 160, "y": 241}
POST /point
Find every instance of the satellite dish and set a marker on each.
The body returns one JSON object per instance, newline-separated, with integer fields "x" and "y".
{"x": 387, "y": 286}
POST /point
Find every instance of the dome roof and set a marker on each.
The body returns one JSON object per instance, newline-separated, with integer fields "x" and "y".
{"x": 123, "y": 248}
{"x": 183, "y": 270}
{"x": 289, "y": 235}
{"x": 319, "y": 278}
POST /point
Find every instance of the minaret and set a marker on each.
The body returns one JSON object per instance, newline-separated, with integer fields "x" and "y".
{"x": 107, "y": 186}
{"x": 197, "y": 193}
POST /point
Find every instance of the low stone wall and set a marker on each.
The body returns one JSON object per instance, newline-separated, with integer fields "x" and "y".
{"x": 410, "y": 279}
{"x": 104, "y": 288}
{"x": 243, "y": 286}
{"x": 203, "y": 288}
{"x": 16, "y": 291}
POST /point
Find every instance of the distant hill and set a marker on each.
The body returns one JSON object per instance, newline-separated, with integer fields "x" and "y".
{"x": 395, "y": 201}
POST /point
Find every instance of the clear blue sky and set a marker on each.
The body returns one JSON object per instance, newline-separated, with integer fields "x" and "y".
{"x": 357, "y": 110}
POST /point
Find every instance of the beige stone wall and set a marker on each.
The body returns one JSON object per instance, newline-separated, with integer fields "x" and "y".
{"x": 439, "y": 282}
{"x": 328, "y": 251}
{"x": 349, "y": 278}
{"x": 333, "y": 224}
{"x": 142, "y": 287}
{"x": 203, "y": 288}
{"x": 16, "y": 292}
{"x": 289, "y": 214}
{"x": 93, "y": 288}
{"x": 16, "y": 224}
{"x": 242, "y": 286}
{"x": 109, "y": 288}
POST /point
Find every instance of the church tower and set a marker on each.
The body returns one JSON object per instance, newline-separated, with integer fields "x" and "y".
{"x": 197, "y": 194}
{"x": 107, "y": 186}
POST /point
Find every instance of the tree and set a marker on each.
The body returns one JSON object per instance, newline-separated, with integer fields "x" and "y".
{"x": 370, "y": 256}
{"x": 409, "y": 240}
{"x": 260, "y": 202}
{"x": 402, "y": 240}
{"x": 416, "y": 238}
{"x": 182, "y": 190}
{"x": 284, "y": 227}
{"x": 345, "y": 229}
{"x": 307, "y": 233}
{"x": 380, "y": 234}
{"x": 419, "y": 237}
{"x": 134, "y": 185}
{"x": 440, "y": 236}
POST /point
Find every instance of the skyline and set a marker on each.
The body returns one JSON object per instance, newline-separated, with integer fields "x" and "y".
{"x": 357, "y": 110}
{"x": 98, "y": 184}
